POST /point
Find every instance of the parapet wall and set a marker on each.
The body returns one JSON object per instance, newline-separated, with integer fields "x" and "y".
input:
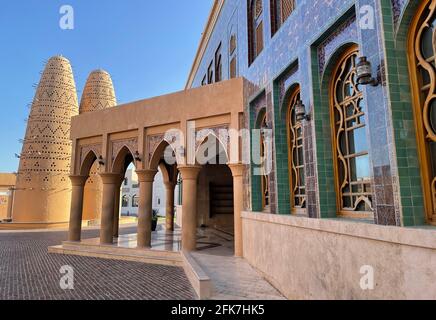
{"x": 322, "y": 259}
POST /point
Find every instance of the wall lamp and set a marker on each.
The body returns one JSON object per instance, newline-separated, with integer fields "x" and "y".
{"x": 364, "y": 73}
{"x": 300, "y": 112}
{"x": 137, "y": 156}
{"x": 101, "y": 161}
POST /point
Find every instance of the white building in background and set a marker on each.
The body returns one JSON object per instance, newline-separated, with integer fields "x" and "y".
{"x": 130, "y": 193}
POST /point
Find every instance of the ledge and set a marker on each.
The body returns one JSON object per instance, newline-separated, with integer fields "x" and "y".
{"x": 199, "y": 280}
{"x": 11, "y": 226}
{"x": 422, "y": 238}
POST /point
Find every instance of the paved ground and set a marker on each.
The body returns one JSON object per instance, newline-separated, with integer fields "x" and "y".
{"x": 27, "y": 271}
{"x": 232, "y": 278}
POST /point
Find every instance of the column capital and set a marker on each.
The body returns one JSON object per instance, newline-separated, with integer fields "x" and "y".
{"x": 237, "y": 169}
{"x": 146, "y": 175}
{"x": 110, "y": 178}
{"x": 78, "y": 181}
{"x": 189, "y": 172}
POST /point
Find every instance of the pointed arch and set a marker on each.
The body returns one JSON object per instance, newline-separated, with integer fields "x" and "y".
{"x": 221, "y": 148}
{"x": 286, "y": 99}
{"x": 159, "y": 154}
{"x": 333, "y": 59}
{"x": 87, "y": 163}
{"x": 123, "y": 160}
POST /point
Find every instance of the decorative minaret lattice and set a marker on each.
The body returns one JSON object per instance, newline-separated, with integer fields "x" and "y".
{"x": 98, "y": 94}
{"x": 43, "y": 192}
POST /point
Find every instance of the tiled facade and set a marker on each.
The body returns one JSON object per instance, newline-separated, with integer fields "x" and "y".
{"x": 303, "y": 53}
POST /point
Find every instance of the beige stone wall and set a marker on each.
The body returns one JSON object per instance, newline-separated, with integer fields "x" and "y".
{"x": 92, "y": 197}
{"x": 322, "y": 259}
{"x": 4, "y": 201}
{"x": 8, "y": 179}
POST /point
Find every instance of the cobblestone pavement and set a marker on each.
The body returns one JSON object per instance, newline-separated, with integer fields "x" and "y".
{"x": 29, "y": 272}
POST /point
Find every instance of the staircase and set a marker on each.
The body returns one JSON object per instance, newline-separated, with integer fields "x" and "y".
{"x": 221, "y": 199}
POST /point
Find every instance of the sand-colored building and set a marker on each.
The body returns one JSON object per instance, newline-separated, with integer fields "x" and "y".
{"x": 7, "y": 191}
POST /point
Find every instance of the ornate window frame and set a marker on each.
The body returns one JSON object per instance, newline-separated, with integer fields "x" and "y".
{"x": 294, "y": 130}
{"x": 421, "y": 103}
{"x": 265, "y": 179}
{"x": 339, "y": 128}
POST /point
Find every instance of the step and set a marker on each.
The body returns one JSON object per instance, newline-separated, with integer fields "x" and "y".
{"x": 116, "y": 255}
{"x": 222, "y": 210}
{"x": 222, "y": 203}
{"x": 120, "y": 250}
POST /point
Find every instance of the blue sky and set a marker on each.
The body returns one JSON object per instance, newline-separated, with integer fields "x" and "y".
{"x": 147, "y": 47}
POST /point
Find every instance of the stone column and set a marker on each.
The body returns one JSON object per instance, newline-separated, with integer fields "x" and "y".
{"x": 189, "y": 207}
{"x": 238, "y": 187}
{"x": 75, "y": 227}
{"x": 110, "y": 182}
{"x": 116, "y": 227}
{"x": 145, "y": 210}
{"x": 169, "y": 213}
{"x": 10, "y": 203}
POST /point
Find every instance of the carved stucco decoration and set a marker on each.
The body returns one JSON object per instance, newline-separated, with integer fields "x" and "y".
{"x": 84, "y": 151}
{"x": 117, "y": 145}
{"x": 221, "y": 132}
{"x": 153, "y": 141}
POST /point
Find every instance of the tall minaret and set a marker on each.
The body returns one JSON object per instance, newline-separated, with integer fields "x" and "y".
{"x": 43, "y": 190}
{"x": 98, "y": 94}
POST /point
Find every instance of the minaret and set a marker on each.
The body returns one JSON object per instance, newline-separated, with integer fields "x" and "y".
{"x": 43, "y": 190}
{"x": 98, "y": 94}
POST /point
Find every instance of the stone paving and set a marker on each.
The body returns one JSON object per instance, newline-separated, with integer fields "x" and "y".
{"x": 232, "y": 278}
{"x": 29, "y": 272}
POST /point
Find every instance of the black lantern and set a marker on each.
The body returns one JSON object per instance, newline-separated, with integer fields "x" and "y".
{"x": 137, "y": 156}
{"x": 101, "y": 161}
{"x": 364, "y": 73}
{"x": 300, "y": 111}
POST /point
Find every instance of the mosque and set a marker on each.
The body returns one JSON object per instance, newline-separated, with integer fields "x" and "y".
{"x": 336, "y": 99}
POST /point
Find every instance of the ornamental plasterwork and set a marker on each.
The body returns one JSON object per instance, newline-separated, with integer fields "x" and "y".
{"x": 221, "y": 132}
{"x": 84, "y": 151}
{"x": 154, "y": 141}
{"x": 117, "y": 145}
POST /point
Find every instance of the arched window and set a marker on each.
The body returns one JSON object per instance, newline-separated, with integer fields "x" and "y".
{"x": 233, "y": 56}
{"x": 255, "y": 29}
{"x": 218, "y": 65}
{"x": 125, "y": 201}
{"x": 297, "y": 179}
{"x": 280, "y": 11}
{"x": 135, "y": 202}
{"x": 264, "y": 155}
{"x": 352, "y": 166}
{"x": 422, "y": 57}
